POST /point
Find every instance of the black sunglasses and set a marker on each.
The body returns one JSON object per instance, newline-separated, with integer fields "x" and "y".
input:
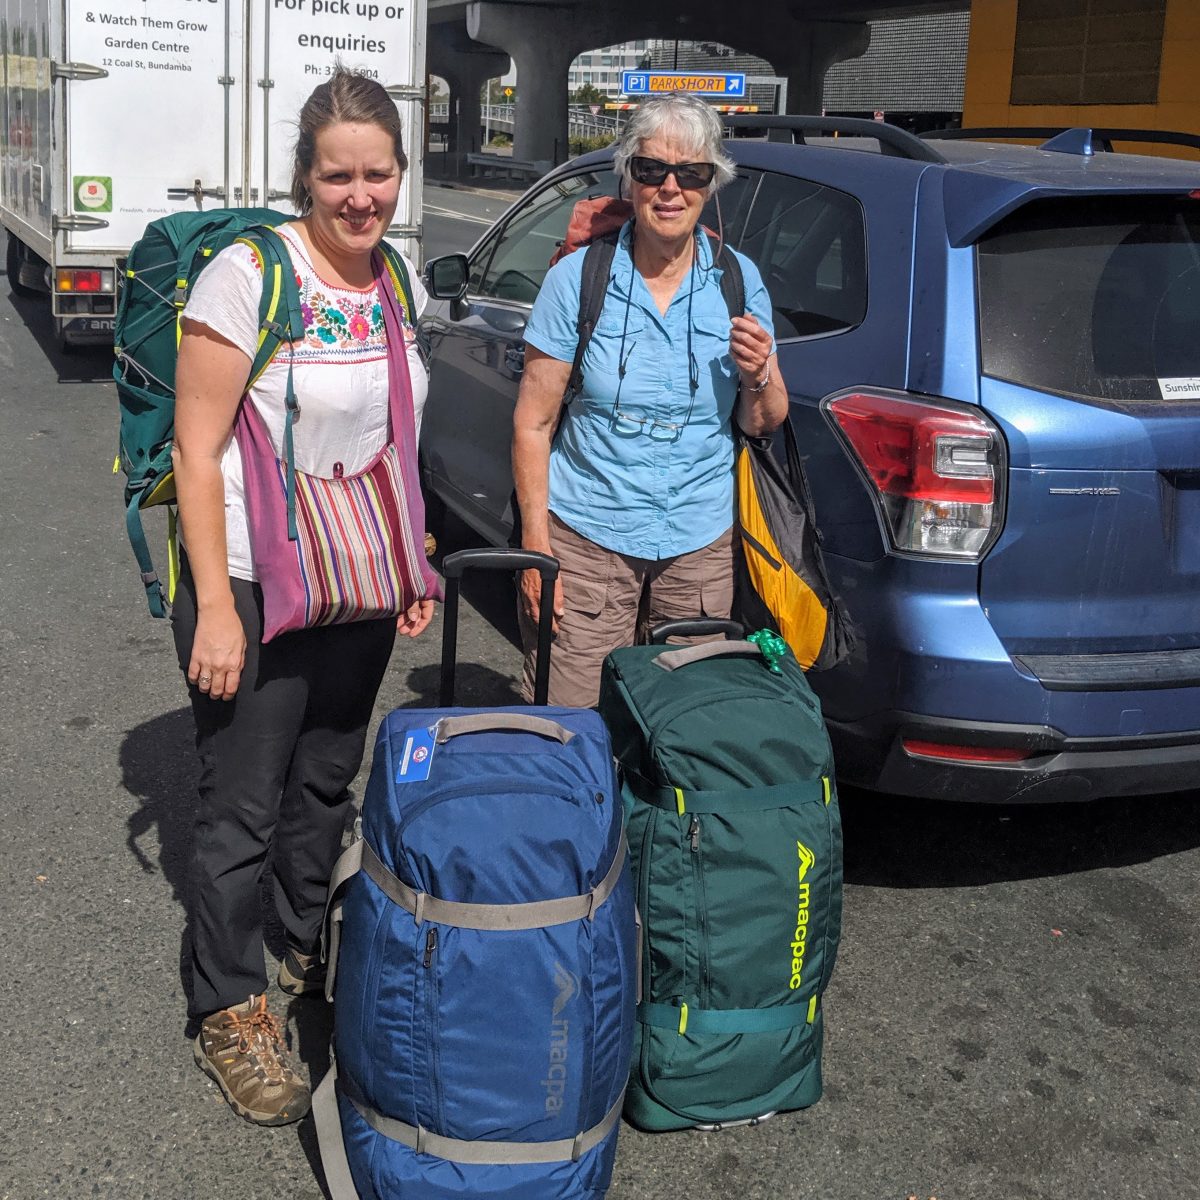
{"x": 653, "y": 172}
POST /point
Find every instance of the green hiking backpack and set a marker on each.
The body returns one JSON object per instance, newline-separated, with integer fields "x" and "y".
{"x": 161, "y": 268}
{"x": 159, "y": 272}
{"x": 735, "y": 836}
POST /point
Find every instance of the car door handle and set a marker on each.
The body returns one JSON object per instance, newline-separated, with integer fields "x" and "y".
{"x": 514, "y": 359}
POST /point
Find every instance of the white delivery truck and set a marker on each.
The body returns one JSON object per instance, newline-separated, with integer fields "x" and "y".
{"x": 116, "y": 112}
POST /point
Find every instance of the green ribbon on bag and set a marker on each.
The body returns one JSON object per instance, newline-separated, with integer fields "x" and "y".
{"x": 772, "y": 646}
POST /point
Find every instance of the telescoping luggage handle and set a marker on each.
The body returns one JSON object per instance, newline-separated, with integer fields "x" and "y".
{"x": 461, "y": 561}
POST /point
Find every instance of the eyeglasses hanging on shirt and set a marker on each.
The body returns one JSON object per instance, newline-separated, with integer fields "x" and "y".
{"x": 655, "y": 427}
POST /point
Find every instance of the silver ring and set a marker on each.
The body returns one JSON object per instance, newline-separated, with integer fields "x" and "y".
{"x": 206, "y": 679}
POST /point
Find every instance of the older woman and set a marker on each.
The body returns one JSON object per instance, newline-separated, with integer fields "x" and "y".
{"x": 281, "y": 722}
{"x": 634, "y": 495}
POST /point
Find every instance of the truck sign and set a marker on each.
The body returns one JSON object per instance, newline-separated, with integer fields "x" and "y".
{"x": 649, "y": 83}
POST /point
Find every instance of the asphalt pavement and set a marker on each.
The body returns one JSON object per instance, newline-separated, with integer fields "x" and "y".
{"x": 1013, "y": 1015}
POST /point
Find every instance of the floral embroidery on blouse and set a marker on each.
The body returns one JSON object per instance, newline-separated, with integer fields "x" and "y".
{"x": 335, "y": 319}
{"x": 346, "y": 323}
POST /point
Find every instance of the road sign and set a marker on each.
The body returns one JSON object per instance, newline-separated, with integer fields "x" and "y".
{"x": 649, "y": 83}
{"x": 879, "y": 114}
{"x": 508, "y": 91}
{"x": 595, "y": 109}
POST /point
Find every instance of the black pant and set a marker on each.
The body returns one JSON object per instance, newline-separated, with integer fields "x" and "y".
{"x": 276, "y": 763}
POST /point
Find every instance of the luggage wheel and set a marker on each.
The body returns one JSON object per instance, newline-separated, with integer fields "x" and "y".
{"x": 717, "y": 1126}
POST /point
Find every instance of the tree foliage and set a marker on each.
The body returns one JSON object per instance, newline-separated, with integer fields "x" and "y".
{"x": 588, "y": 94}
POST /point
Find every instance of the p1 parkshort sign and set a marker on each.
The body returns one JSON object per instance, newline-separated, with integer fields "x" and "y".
{"x": 649, "y": 83}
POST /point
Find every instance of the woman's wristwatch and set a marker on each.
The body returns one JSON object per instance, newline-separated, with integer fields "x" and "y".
{"x": 761, "y": 385}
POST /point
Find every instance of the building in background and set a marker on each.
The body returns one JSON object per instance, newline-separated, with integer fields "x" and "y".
{"x": 913, "y": 71}
{"x": 602, "y": 68}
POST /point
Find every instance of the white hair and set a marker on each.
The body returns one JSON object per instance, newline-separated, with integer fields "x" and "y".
{"x": 685, "y": 118}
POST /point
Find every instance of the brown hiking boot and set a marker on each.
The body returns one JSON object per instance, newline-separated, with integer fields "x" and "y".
{"x": 301, "y": 974}
{"x": 242, "y": 1049}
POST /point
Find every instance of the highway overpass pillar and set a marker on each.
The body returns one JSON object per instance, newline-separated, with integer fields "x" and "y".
{"x": 811, "y": 49}
{"x": 543, "y": 41}
{"x": 465, "y": 66}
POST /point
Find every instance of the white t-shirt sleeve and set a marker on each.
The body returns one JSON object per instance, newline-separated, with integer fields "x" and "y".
{"x": 226, "y": 297}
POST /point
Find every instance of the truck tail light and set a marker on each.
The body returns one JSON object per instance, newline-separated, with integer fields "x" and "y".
{"x": 72, "y": 280}
{"x": 935, "y": 467}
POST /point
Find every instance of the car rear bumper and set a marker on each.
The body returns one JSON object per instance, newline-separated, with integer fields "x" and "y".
{"x": 871, "y": 754}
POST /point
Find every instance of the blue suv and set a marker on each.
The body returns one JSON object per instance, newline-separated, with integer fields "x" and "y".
{"x": 993, "y": 358}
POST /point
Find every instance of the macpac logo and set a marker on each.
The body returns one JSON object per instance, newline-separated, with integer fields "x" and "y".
{"x": 566, "y": 985}
{"x": 566, "y": 988}
{"x": 800, "y": 937}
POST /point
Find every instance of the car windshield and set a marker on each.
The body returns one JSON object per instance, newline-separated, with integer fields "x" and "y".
{"x": 1097, "y": 297}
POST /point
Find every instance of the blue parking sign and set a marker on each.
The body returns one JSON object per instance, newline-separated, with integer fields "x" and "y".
{"x": 724, "y": 85}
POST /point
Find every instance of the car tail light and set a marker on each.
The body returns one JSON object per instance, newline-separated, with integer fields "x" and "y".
{"x": 71, "y": 279}
{"x": 935, "y": 467}
{"x": 973, "y": 754}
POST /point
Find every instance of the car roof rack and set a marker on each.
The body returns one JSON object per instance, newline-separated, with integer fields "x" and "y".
{"x": 891, "y": 138}
{"x": 1080, "y": 140}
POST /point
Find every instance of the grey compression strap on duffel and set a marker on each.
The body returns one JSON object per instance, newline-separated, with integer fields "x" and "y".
{"x": 329, "y": 1137}
{"x": 672, "y": 660}
{"x": 449, "y": 727}
{"x": 479, "y": 1152}
{"x": 348, "y": 865}
{"x": 537, "y": 914}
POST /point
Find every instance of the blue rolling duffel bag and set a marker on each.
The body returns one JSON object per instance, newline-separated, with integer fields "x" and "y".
{"x": 482, "y": 954}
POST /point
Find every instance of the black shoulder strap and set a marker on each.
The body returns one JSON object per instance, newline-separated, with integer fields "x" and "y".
{"x": 733, "y": 285}
{"x": 597, "y": 265}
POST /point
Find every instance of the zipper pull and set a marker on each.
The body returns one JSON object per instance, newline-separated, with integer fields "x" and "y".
{"x": 694, "y": 833}
{"x": 430, "y": 947}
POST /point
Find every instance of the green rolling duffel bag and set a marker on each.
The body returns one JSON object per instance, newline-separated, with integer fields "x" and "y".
{"x": 732, "y": 813}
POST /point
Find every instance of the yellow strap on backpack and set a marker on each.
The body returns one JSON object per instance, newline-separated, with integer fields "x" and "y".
{"x": 172, "y": 553}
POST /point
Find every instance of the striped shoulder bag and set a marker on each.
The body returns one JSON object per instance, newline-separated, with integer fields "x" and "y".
{"x": 328, "y": 551}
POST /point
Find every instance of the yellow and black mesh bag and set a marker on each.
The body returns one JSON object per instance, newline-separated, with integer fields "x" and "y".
{"x": 781, "y": 581}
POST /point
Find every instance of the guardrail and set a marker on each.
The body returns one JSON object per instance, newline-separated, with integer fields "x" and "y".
{"x": 500, "y": 166}
{"x": 581, "y": 121}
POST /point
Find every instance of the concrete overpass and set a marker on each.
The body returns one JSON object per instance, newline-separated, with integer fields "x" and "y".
{"x": 472, "y": 41}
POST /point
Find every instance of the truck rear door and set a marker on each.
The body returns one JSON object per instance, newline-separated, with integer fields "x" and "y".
{"x": 295, "y": 45}
{"x": 148, "y": 116}
{"x": 171, "y": 107}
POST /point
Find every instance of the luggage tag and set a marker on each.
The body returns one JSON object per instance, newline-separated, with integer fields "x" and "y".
{"x": 417, "y": 756}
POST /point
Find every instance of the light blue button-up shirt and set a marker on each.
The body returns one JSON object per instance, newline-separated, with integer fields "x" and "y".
{"x": 641, "y": 465}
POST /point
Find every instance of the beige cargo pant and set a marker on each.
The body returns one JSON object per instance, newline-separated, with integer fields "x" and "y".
{"x": 613, "y": 600}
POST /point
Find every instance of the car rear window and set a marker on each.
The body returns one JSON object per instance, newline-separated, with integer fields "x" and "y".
{"x": 1096, "y": 297}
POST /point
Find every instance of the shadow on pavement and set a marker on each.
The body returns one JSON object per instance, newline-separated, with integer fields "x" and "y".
{"x": 492, "y": 594}
{"x": 159, "y": 769}
{"x": 475, "y": 686}
{"x": 896, "y": 841}
{"x": 313, "y": 1022}
{"x": 81, "y": 364}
